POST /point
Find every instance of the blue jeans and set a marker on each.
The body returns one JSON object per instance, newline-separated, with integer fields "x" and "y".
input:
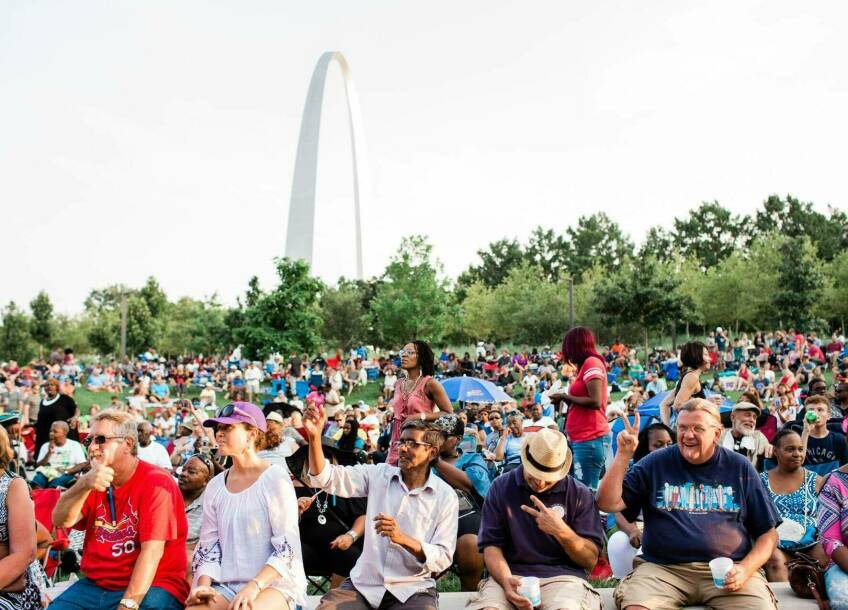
{"x": 836, "y": 583}
{"x": 85, "y": 595}
{"x": 63, "y": 480}
{"x": 589, "y": 460}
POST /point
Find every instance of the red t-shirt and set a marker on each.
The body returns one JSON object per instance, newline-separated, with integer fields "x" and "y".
{"x": 147, "y": 507}
{"x": 584, "y": 424}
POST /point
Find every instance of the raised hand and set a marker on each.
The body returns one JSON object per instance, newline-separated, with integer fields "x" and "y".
{"x": 313, "y": 421}
{"x": 99, "y": 477}
{"x": 628, "y": 439}
{"x": 386, "y": 526}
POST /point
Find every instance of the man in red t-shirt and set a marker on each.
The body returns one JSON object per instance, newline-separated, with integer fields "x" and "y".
{"x": 134, "y": 521}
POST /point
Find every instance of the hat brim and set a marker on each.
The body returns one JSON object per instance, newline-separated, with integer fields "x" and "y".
{"x": 211, "y": 423}
{"x": 550, "y": 476}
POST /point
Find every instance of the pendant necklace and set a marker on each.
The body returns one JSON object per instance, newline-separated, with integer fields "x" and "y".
{"x": 322, "y": 520}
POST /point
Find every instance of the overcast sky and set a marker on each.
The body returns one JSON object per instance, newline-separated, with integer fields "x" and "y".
{"x": 158, "y": 138}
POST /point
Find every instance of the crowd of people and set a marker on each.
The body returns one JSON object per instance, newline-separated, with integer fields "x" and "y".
{"x": 223, "y": 483}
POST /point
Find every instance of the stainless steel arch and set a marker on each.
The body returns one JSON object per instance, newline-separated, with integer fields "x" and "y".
{"x": 301, "y": 227}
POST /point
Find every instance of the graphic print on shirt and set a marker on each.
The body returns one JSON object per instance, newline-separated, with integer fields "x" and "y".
{"x": 697, "y": 498}
{"x": 122, "y": 534}
{"x": 206, "y": 554}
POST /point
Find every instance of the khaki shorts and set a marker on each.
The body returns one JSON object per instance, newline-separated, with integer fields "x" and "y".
{"x": 558, "y": 593}
{"x": 660, "y": 587}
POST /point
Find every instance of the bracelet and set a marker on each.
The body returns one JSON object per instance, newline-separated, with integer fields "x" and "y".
{"x": 259, "y": 585}
{"x": 353, "y": 535}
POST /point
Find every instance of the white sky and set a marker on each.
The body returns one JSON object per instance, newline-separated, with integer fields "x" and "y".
{"x": 158, "y": 137}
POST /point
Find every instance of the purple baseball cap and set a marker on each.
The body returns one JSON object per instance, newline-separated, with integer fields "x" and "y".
{"x": 239, "y": 413}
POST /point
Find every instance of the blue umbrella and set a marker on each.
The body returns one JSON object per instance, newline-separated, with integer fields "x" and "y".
{"x": 471, "y": 389}
{"x": 652, "y": 405}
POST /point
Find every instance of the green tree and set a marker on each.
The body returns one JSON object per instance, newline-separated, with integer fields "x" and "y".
{"x": 796, "y": 219}
{"x": 478, "y": 314}
{"x": 72, "y": 332}
{"x": 833, "y": 305}
{"x": 285, "y": 319}
{"x": 799, "y": 283}
{"x": 345, "y": 322}
{"x": 658, "y": 243}
{"x": 549, "y": 253}
{"x": 496, "y": 261}
{"x": 528, "y": 309}
{"x": 413, "y": 300}
{"x": 708, "y": 234}
{"x": 15, "y": 341}
{"x": 644, "y": 291}
{"x": 595, "y": 238}
{"x": 41, "y": 323}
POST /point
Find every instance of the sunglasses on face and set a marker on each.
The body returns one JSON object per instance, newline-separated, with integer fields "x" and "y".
{"x": 100, "y": 439}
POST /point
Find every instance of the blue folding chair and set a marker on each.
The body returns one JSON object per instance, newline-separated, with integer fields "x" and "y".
{"x": 302, "y": 388}
{"x": 277, "y": 386}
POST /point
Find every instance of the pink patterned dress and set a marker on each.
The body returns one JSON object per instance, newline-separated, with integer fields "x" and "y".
{"x": 404, "y": 405}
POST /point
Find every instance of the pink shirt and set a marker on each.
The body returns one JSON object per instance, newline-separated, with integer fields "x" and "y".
{"x": 404, "y": 406}
{"x": 833, "y": 512}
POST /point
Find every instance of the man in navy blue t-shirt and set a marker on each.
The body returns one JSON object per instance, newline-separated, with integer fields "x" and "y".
{"x": 539, "y": 521}
{"x": 699, "y": 501}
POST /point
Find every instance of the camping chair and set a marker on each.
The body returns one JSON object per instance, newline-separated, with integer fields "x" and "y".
{"x": 63, "y": 555}
{"x": 302, "y": 388}
{"x": 277, "y": 386}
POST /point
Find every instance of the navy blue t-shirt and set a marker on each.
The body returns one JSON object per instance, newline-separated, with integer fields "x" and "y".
{"x": 527, "y": 549}
{"x": 697, "y": 513}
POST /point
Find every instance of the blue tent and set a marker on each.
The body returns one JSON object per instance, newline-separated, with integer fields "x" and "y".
{"x": 471, "y": 389}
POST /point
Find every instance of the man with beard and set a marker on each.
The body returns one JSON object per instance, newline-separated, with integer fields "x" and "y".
{"x": 55, "y": 407}
{"x": 743, "y": 436}
{"x": 413, "y": 515}
{"x": 149, "y": 450}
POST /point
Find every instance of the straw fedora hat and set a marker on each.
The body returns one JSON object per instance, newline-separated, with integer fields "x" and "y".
{"x": 545, "y": 455}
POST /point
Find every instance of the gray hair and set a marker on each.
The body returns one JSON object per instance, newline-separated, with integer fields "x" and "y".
{"x": 694, "y": 405}
{"x": 125, "y": 425}
{"x": 61, "y": 424}
{"x": 433, "y": 434}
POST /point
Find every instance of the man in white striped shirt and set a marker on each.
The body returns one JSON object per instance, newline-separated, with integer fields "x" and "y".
{"x": 411, "y": 522}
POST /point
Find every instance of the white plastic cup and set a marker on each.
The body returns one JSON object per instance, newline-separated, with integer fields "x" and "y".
{"x": 529, "y": 588}
{"x": 621, "y": 554}
{"x": 720, "y": 566}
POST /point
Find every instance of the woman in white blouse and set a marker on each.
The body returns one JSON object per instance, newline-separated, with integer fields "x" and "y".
{"x": 249, "y": 554}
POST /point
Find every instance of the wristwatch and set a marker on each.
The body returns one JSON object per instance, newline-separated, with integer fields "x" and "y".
{"x": 353, "y": 535}
{"x": 131, "y": 604}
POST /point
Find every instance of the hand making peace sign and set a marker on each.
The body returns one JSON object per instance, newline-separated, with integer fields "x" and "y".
{"x": 628, "y": 438}
{"x": 547, "y": 519}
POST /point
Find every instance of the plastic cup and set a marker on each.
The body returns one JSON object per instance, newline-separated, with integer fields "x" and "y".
{"x": 529, "y": 588}
{"x": 811, "y": 417}
{"x": 720, "y": 566}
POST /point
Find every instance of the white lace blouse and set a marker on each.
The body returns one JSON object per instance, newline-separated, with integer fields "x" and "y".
{"x": 241, "y": 532}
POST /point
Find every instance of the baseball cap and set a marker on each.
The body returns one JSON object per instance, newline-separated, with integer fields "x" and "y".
{"x": 239, "y": 413}
{"x": 746, "y": 406}
{"x": 274, "y": 416}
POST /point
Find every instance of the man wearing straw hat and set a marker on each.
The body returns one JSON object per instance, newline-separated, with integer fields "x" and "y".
{"x": 539, "y": 522}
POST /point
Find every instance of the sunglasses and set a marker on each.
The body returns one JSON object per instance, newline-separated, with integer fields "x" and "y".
{"x": 206, "y": 459}
{"x": 231, "y": 409}
{"x": 100, "y": 439}
{"x": 408, "y": 352}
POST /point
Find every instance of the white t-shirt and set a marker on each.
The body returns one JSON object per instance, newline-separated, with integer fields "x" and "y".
{"x": 530, "y": 381}
{"x": 68, "y": 455}
{"x": 155, "y": 454}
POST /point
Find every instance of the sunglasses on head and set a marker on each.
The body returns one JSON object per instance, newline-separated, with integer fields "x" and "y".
{"x": 100, "y": 439}
{"x": 231, "y": 409}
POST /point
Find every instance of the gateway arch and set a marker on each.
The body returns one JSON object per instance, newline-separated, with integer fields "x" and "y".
{"x": 301, "y": 228}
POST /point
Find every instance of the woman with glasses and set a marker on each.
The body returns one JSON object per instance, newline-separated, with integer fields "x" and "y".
{"x": 418, "y": 394}
{"x": 249, "y": 552}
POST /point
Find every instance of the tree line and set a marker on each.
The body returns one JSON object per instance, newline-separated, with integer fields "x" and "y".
{"x": 784, "y": 266}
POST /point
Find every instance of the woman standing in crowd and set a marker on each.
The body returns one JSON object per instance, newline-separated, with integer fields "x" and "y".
{"x": 417, "y": 394}
{"x": 696, "y": 361}
{"x": 251, "y": 496}
{"x": 18, "y": 588}
{"x": 833, "y": 527}
{"x": 586, "y": 423}
{"x": 793, "y": 490}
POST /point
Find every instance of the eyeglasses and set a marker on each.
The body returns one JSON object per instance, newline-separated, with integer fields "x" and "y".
{"x": 408, "y": 352}
{"x": 494, "y": 417}
{"x": 231, "y": 409}
{"x": 412, "y": 444}
{"x": 100, "y": 439}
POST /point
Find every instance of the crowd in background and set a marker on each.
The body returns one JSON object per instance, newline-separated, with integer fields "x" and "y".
{"x": 789, "y": 423}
